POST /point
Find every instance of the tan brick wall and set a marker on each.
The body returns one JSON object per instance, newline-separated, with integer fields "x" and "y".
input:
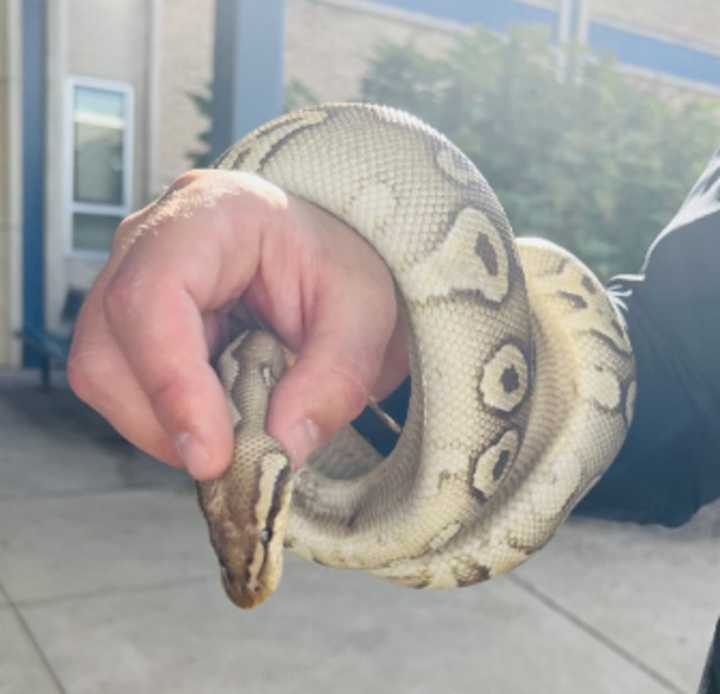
{"x": 9, "y": 180}
{"x": 186, "y": 66}
{"x": 329, "y": 43}
{"x": 695, "y": 22}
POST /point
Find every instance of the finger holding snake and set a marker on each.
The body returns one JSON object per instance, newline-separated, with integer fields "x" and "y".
{"x": 163, "y": 305}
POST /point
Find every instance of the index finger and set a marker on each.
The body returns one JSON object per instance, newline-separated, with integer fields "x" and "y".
{"x": 185, "y": 260}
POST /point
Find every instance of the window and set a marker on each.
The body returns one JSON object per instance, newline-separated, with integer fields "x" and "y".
{"x": 99, "y": 169}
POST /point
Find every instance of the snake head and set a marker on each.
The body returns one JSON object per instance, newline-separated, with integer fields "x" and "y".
{"x": 247, "y": 508}
{"x": 251, "y": 568}
{"x": 247, "y": 511}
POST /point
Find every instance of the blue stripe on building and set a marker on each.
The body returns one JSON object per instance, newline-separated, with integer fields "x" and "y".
{"x": 628, "y": 47}
{"x": 496, "y": 15}
{"x": 33, "y": 171}
{"x": 655, "y": 54}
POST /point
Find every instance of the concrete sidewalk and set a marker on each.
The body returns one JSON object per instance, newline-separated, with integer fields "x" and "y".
{"x": 108, "y": 584}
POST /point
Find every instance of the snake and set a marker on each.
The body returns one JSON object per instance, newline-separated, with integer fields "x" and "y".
{"x": 521, "y": 369}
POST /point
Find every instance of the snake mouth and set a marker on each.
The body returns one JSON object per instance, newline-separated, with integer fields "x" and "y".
{"x": 240, "y": 593}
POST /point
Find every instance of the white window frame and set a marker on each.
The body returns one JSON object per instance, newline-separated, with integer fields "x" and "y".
{"x": 71, "y": 206}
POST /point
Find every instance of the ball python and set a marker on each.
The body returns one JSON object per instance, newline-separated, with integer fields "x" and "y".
{"x": 521, "y": 368}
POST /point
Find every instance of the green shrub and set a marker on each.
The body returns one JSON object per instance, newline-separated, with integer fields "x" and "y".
{"x": 593, "y": 162}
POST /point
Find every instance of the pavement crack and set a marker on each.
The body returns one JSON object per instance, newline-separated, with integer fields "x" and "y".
{"x": 114, "y": 590}
{"x": 596, "y": 634}
{"x": 29, "y": 634}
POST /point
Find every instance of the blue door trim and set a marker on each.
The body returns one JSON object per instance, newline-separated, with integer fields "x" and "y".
{"x": 33, "y": 20}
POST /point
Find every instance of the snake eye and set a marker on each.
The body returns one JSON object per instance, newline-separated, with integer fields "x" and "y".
{"x": 265, "y": 535}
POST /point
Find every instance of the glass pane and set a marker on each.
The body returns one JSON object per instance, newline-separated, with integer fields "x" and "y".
{"x": 99, "y": 121}
{"x": 93, "y": 232}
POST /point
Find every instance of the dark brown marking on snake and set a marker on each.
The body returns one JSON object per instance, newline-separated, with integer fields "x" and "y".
{"x": 480, "y": 496}
{"x": 468, "y": 573}
{"x": 555, "y": 270}
{"x": 266, "y": 531}
{"x": 443, "y": 478}
{"x": 350, "y": 522}
{"x": 516, "y": 278}
{"x": 526, "y": 549}
{"x": 588, "y": 284}
{"x": 277, "y": 497}
{"x": 485, "y": 251}
{"x": 279, "y": 144}
{"x": 510, "y": 380}
{"x": 279, "y": 490}
{"x": 239, "y": 154}
{"x": 618, "y": 328}
{"x": 502, "y": 462}
{"x": 575, "y": 300}
{"x": 615, "y": 409}
{"x": 410, "y": 580}
{"x": 460, "y": 161}
{"x": 500, "y": 466}
{"x": 610, "y": 343}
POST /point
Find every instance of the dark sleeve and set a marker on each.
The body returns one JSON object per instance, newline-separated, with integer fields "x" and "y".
{"x": 710, "y": 683}
{"x": 669, "y": 465}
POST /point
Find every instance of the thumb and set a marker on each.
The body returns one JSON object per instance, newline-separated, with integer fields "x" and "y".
{"x": 335, "y": 373}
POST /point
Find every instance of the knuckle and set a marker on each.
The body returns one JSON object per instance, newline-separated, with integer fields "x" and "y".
{"x": 350, "y": 388}
{"x": 127, "y": 230}
{"x": 167, "y": 396}
{"x": 87, "y": 372}
{"x": 77, "y": 377}
{"x": 123, "y": 297}
{"x": 187, "y": 178}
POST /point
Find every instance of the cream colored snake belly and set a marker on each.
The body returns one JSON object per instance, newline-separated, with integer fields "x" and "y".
{"x": 522, "y": 374}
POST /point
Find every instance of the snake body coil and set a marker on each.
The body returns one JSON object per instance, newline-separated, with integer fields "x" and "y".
{"x": 522, "y": 374}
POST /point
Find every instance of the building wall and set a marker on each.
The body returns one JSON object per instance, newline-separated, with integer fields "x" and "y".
{"x": 164, "y": 48}
{"x": 104, "y": 40}
{"x": 186, "y": 64}
{"x": 330, "y": 42}
{"x": 10, "y": 193}
{"x": 109, "y": 40}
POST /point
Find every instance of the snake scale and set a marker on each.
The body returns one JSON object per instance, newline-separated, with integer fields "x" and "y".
{"x": 521, "y": 367}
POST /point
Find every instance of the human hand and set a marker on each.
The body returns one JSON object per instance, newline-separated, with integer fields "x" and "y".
{"x": 163, "y": 307}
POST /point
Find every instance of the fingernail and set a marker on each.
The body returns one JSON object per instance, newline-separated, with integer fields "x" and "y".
{"x": 193, "y": 454}
{"x": 301, "y": 440}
